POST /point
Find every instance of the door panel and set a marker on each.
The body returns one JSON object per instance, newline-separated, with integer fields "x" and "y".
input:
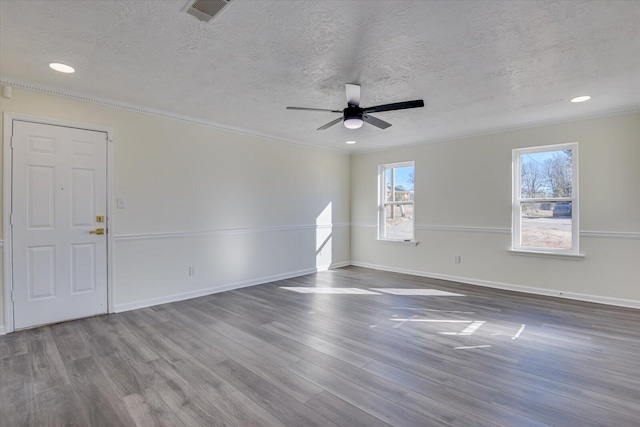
{"x": 83, "y": 270}
{"x": 82, "y": 197}
{"x": 58, "y": 188}
{"x": 40, "y": 195}
{"x": 41, "y": 272}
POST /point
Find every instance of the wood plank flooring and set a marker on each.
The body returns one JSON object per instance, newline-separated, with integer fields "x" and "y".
{"x": 332, "y": 356}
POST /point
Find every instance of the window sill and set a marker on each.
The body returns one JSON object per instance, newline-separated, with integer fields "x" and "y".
{"x": 399, "y": 242}
{"x": 542, "y": 254}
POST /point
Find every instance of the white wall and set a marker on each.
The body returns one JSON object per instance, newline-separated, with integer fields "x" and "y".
{"x": 245, "y": 209}
{"x": 240, "y": 209}
{"x": 463, "y": 207}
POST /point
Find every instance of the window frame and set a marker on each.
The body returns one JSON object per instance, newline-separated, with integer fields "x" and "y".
{"x": 517, "y": 200}
{"x": 382, "y": 203}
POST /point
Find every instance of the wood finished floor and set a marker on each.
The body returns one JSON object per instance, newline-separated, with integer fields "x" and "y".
{"x": 266, "y": 356}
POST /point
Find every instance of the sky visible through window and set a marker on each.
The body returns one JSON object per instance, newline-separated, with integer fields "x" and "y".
{"x": 546, "y": 174}
{"x": 404, "y": 177}
{"x": 537, "y": 157}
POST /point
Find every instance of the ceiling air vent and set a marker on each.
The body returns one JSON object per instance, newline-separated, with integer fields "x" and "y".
{"x": 204, "y": 10}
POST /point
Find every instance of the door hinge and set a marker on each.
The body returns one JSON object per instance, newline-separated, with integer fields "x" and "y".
{"x": 13, "y": 298}
{"x": 11, "y": 219}
{"x": 11, "y": 143}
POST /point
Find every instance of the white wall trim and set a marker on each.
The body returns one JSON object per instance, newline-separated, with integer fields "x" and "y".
{"x": 620, "y": 302}
{"x": 225, "y": 231}
{"x": 7, "y": 160}
{"x": 498, "y": 230}
{"x": 66, "y": 123}
{"x": 222, "y": 288}
{"x": 7, "y": 258}
{"x": 36, "y": 87}
{"x": 433, "y": 227}
{"x": 2, "y": 330}
{"x": 504, "y": 230}
{"x": 542, "y": 254}
{"x": 610, "y": 235}
{"x": 631, "y": 109}
{"x": 398, "y": 242}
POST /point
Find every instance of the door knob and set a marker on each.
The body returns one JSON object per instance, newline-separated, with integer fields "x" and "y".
{"x": 97, "y": 231}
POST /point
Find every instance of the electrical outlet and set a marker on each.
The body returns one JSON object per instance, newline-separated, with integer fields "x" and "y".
{"x": 192, "y": 271}
{"x": 456, "y": 259}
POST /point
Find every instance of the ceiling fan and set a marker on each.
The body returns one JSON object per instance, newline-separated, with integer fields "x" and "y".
{"x": 354, "y": 117}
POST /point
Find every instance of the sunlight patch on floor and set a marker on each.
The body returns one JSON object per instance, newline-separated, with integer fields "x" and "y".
{"x": 426, "y": 292}
{"x": 343, "y": 291}
{"x": 520, "y": 331}
{"x": 469, "y": 330}
{"x": 469, "y": 347}
{"x": 372, "y": 291}
{"x": 431, "y": 320}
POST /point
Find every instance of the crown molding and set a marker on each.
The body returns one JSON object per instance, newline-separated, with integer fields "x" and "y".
{"x": 135, "y": 108}
{"x": 36, "y": 87}
{"x": 632, "y": 109}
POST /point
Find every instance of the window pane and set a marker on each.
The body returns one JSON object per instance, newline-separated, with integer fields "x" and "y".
{"x": 546, "y": 174}
{"x": 399, "y": 222}
{"x": 546, "y": 225}
{"x": 387, "y": 185}
{"x": 397, "y": 215}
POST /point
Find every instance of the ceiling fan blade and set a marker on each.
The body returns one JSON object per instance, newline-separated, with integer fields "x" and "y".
{"x": 375, "y": 121}
{"x": 331, "y": 123}
{"x": 395, "y": 106}
{"x": 353, "y": 94}
{"x": 313, "y": 109}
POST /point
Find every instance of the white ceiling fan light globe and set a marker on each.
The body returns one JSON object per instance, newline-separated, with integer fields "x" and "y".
{"x": 353, "y": 123}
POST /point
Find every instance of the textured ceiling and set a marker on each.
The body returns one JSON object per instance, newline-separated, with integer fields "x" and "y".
{"x": 479, "y": 65}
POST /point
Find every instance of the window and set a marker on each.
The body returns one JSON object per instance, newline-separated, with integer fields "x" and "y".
{"x": 545, "y": 199}
{"x": 396, "y": 202}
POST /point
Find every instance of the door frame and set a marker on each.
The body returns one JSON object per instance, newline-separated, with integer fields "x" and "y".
{"x": 7, "y": 169}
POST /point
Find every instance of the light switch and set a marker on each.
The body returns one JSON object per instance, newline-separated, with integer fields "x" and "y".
{"x": 121, "y": 202}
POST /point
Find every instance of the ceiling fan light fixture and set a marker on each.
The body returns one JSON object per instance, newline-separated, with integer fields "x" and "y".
{"x": 353, "y": 123}
{"x": 353, "y": 117}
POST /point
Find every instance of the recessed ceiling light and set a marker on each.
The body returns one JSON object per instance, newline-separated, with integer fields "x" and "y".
{"x": 351, "y": 142}
{"x": 581, "y": 98}
{"x": 63, "y": 68}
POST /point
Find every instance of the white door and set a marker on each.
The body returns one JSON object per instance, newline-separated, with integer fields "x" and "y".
{"x": 58, "y": 198}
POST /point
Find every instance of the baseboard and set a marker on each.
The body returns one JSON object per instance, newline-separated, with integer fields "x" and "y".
{"x": 222, "y": 288}
{"x": 619, "y": 302}
{"x": 3, "y": 331}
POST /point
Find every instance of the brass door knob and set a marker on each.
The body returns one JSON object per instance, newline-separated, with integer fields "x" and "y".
{"x": 98, "y": 231}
